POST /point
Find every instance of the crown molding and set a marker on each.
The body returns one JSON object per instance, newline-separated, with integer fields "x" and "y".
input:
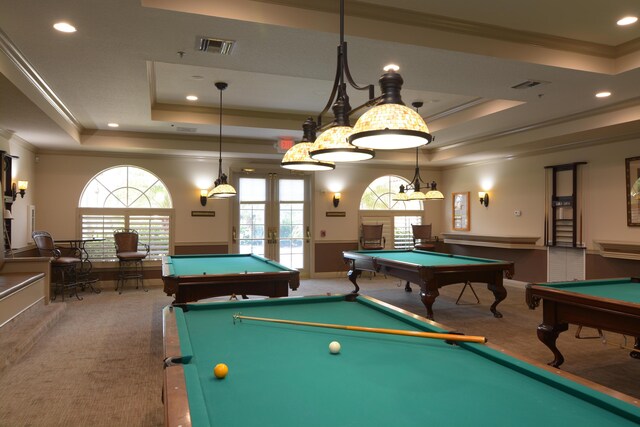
{"x": 23, "y": 65}
{"x": 396, "y": 15}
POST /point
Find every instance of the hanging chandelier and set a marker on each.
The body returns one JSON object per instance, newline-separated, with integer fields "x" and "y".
{"x": 333, "y": 144}
{"x": 221, "y": 188}
{"x": 298, "y": 158}
{"x": 390, "y": 125}
{"x": 416, "y": 194}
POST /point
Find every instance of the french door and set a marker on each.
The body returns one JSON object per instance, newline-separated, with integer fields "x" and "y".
{"x": 272, "y": 218}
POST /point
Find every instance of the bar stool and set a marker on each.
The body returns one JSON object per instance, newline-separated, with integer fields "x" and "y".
{"x": 129, "y": 258}
{"x": 64, "y": 269}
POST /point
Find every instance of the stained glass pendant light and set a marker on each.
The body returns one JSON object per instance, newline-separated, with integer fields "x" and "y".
{"x": 390, "y": 125}
{"x": 221, "y": 189}
{"x": 432, "y": 194}
{"x": 298, "y": 158}
{"x": 333, "y": 144}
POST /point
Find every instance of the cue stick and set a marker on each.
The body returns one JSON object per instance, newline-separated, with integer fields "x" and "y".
{"x": 434, "y": 335}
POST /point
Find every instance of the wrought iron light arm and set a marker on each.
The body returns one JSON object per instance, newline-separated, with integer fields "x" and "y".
{"x": 342, "y": 72}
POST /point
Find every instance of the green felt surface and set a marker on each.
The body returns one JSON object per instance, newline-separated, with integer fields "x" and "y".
{"x": 186, "y": 265}
{"x": 427, "y": 258}
{"x": 618, "y": 289}
{"x": 283, "y": 375}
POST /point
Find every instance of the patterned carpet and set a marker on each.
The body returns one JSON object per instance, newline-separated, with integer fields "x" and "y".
{"x": 101, "y": 363}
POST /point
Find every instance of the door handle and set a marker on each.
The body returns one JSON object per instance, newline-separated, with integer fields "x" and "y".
{"x": 308, "y": 234}
{"x": 233, "y": 235}
{"x": 275, "y": 236}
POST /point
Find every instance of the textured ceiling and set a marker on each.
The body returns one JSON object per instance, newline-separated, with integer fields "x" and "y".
{"x": 460, "y": 58}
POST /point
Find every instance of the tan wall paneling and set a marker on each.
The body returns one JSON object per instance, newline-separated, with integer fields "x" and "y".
{"x": 328, "y": 256}
{"x": 599, "y": 267}
{"x": 530, "y": 264}
{"x": 200, "y": 249}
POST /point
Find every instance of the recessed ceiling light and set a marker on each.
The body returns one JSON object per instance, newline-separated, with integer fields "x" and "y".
{"x": 192, "y": 98}
{"x": 627, "y": 20}
{"x": 603, "y": 94}
{"x": 197, "y": 77}
{"x": 113, "y": 125}
{"x": 64, "y": 27}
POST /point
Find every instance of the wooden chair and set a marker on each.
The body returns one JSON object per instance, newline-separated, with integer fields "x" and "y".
{"x": 64, "y": 266}
{"x": 422, "y": 238}
{"x": 129, "y": 257}
{"x": 372, "y": 238}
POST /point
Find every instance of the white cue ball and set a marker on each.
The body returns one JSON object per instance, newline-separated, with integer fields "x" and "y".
{"x": 334, "y": 347}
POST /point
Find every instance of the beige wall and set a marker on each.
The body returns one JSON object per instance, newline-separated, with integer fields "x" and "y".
{"x": 56, "y": 182}
{"x": 352, "y": 180}
{"x": 22, "y": 168}
{"x": 61, "y": 179}
{"x": 519, "y": 184}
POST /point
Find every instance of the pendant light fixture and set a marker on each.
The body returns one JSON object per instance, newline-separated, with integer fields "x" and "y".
{"x": 298, "y": 158}
{"x": 432, "y": 194}
{"x": 221, "y": 188}
{"x": 333, "y": 144}
{"x": 390, "y": 125}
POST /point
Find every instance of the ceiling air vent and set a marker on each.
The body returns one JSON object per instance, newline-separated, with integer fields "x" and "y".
{"x": 211, "y": 45}
{"x": 529, "y": 84}
{"x": 185, "y": 129}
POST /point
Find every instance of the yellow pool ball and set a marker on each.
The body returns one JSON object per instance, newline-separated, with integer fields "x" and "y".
{"x": 221, "y": 370}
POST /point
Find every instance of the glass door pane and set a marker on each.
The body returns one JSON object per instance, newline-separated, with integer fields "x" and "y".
{"x": 252, "y": 224}
{"x": 292, "y": 225}
{"x": 272, "y": 218}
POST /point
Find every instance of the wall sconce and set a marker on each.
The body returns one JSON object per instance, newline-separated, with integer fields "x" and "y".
{"x": 336, "y": 199}
{"x": 484, "y": 198}
{"x": 203, "y": 197}
{"x": 21, "y": 188}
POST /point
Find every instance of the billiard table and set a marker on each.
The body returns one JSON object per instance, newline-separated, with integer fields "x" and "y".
{"x": 605, "y": 304}
{"x": 431, "y": 271}
{"x": 284, "y": 375}
{"x": 194, "y": 277}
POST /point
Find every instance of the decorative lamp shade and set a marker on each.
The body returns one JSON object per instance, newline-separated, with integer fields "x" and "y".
{"x": 333, "y": 146}
{"x": 417, "y": 195}
{"x": 7, "y": 214}
{"x": 434, "y": 195}
{"x": 390, "y": 127}
{"x": 298, "y": 158}
{"x": 400, "y": 197}
{"x": 223, "y": 191}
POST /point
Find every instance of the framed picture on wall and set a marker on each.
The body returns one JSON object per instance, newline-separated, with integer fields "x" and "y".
{"x": 633, "y": 191}
{"x": 460, "y": 209}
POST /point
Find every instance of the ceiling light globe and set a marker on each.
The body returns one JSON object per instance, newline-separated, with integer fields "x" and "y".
{"x": 333, "y": 146}
{"x": 417, "y": 195}
{"x": 298, "y": 158}
{"x": 223, "y": 191}
{"x": 434, "y": 195}
{"x": 627, "y": 20}
{"x": 400, "y": 197}
{"x": 390, "y": 127}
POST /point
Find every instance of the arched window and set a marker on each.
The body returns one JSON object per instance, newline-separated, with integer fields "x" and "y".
{"x": 126, "y": 197}
{"x": 378, "y": 207}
